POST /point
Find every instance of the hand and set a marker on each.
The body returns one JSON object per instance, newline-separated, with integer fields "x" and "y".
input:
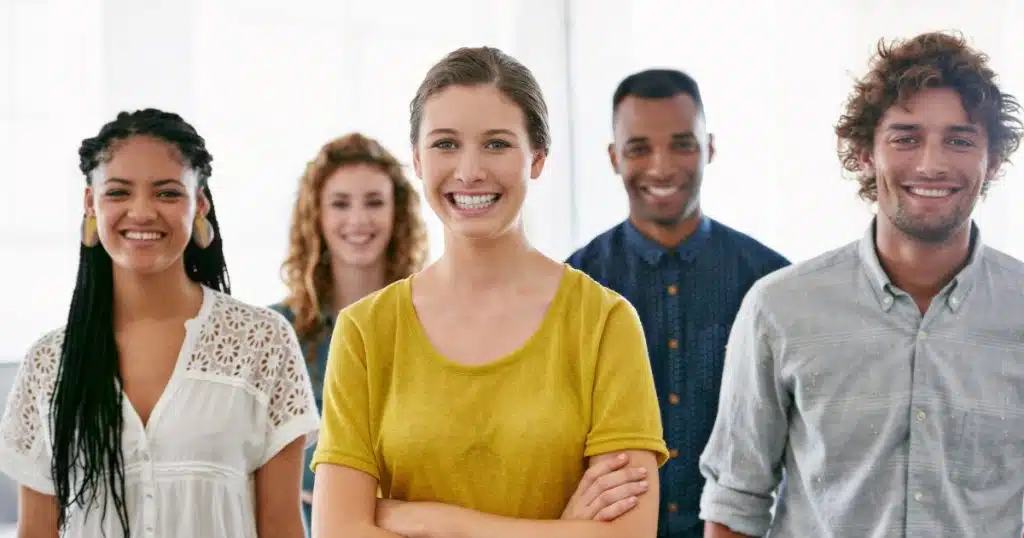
{"x": 400, "y": 518}
{"x": 608, "y": 489}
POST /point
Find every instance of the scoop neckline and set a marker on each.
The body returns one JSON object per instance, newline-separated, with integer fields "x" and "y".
{"x": 514, "y": 356}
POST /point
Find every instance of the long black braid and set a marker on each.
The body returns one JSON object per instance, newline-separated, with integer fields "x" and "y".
{"x": 86, "y": 407}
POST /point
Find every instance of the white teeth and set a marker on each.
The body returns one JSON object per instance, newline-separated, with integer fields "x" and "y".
{"x": 474, "y": 201}
{"x": 661, "y": 192}
{"x": 143, "y": 236}
{"x": 930, "y": 193}
{"x": 358, "y": 239}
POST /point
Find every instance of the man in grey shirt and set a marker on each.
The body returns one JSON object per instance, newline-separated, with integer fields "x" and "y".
{"x": 887, "y": 377}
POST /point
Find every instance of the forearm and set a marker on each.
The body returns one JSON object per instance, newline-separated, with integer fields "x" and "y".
{"x": 448, "y": 521}
{"x": 717, "y": 530}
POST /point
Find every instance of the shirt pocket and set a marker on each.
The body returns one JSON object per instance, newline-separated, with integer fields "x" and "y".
{"x": 989, "y": 451}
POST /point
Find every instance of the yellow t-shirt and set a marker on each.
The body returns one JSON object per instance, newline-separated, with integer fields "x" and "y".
{"x": 507, "y": 438}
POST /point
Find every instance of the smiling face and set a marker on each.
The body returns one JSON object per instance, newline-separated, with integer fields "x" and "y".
{"x": 660, "y": 150}
{"x": 931, "y": 162}
{"x": 357, "y": 214}
{"x": 475, "y": 160}
{"x": 145, "y": 200}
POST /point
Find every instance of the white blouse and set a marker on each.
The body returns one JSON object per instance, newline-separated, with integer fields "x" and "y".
{"x": 238, "y": 394}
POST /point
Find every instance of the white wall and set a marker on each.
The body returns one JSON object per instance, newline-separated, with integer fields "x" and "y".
{"x": 773, "y": 84}
{"x": 267, "y": 82}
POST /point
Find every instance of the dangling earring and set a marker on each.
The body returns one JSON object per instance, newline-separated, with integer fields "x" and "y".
{"x": 202, "y": 232}
{"x": 90, "y": 234}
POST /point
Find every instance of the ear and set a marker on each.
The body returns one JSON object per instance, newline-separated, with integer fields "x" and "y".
{"x": 866, "y": 161}
{"x": 711, "y": 147}
{"x": 416, "y": 166}
{"x": 202, "y": 203}
{"x": 87, "y": 202}
{"x": 537, "y": 166}
{"x": 613, "y": 157}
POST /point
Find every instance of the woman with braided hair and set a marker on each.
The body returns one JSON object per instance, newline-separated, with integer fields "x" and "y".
{"x": 164, "y": 407}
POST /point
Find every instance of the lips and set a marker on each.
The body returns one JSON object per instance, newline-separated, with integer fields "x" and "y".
{"x": 143, "y": 235}
{"x": 358, "y": 238}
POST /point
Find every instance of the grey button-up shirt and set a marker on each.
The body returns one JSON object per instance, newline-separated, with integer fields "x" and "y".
{"x": 888, "y": 423}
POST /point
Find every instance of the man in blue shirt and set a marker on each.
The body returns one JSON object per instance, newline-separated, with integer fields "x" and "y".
{"x": 685, "y": 273}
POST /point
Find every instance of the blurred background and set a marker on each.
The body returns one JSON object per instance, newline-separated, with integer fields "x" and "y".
{"x": 268, "y": 82}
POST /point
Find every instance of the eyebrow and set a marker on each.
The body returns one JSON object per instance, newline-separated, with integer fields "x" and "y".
{"x": 158, "y": 183}
{"x": 675, "y": 136}
{"x": 489, "y": 132}
{"x": 956, "y": 128}
{"x": 365, "y": 194}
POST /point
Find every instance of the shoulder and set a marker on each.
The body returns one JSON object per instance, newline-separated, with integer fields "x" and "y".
{"x": 759, "y": 256}
{"x": 283, "y": 309}
{"x": 594, "y": 305}
{"x": 598, "y": 249}
{"x": 376, "y": 313}
{"x": 233, "y": 315}
{"x": 39, "y": 367}
{"x": 819, "y": 278}
{"x": 243, "y": 342}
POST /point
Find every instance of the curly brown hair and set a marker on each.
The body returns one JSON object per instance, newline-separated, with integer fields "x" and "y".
{"x": 307, "y": 270}
{"x": 899, "y": 70}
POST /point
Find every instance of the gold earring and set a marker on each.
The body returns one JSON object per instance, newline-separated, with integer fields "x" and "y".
{"x": 90, "y": 232}
{"x": 202, "y": 232}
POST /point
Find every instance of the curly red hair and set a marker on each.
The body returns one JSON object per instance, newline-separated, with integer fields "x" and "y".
{"x": 307, "y": 270}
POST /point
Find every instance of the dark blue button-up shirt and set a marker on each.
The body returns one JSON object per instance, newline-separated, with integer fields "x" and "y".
{"x": 687, "y": 298}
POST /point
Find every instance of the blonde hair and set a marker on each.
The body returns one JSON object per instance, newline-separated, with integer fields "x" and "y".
{"x": 307, "y": 270}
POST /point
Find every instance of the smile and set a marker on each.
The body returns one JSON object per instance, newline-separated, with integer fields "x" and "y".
{"x": 473, "y": 202}
{"x": 142, "y": 236}
{"x": 932, "y": 192}
{"x": 661, "y": 191}
{"x": 358, "y": 239}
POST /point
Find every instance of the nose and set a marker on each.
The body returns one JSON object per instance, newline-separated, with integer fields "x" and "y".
{"x": 358, "y": 214}
{"x": 469, "y": 167}
{"x": 933, "y": 161}
{"x": 659, "y": 166}
{"x": 142, "y": 209}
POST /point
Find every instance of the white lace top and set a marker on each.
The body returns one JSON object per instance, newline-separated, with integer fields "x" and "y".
{"x": 238, "y": 394}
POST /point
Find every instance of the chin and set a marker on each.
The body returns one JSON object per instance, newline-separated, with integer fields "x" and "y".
{"x": 142, "y": 265}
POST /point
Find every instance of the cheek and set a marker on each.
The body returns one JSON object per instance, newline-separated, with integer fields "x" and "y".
{"x": 330, "y": 219}
{"x": 384, "y": 220}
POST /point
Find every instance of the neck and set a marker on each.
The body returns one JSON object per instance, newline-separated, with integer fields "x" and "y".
{"x": 352, "y": 283}
{"x": 669, "y": 236}
{"x": 921, "y": 270}
{"x": 166, "y": 295}
{"x": 474, "y": 266}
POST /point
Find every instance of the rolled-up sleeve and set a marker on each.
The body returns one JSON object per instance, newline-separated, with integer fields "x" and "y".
{"x": 742, "y": 462}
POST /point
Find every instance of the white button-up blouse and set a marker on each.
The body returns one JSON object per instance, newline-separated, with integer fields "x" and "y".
{"x": 238, "y": 394}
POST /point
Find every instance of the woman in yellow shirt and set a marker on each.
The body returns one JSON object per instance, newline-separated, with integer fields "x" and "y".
{"x": 475, "y": 394}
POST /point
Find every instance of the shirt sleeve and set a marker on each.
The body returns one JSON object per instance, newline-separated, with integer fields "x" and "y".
{"x": 624, "y": 407}
{"x": 291, "y": 407}
{"x": 346, "y": 437}
{"x": 25, "y": 453}
{"x": 742, "y": 462}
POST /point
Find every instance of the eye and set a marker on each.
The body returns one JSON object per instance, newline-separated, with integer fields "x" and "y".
{"x": 904, "y": 140}
{"x": 169, "y": 194}
{"x": 339, "y": 204}
{"x": 444, "y": 144}
{"x": 375, "y": 203}
{"x": 115, "y": 193}
{"x": 962, "y": 142}
{"x": 636, "y": 151}
{"x": 686, "y": 145}
{"x": 497, "y": 144}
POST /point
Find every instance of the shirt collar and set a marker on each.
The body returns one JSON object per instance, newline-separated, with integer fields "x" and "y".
{"x": 652, "y": 252}
{"x": 955, "y": 292}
